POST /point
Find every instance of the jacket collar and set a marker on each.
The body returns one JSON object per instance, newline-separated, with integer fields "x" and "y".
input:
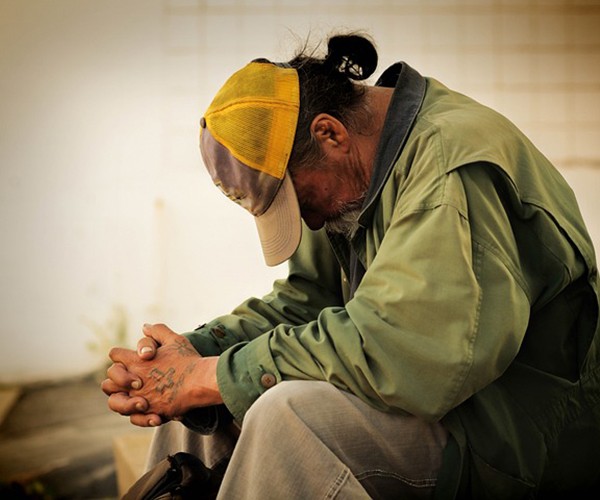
{"x": 403, "y": 109}
{"x": 402, "y": 112}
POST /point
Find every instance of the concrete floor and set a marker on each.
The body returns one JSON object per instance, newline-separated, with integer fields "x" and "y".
{"x": 56, "y": 442}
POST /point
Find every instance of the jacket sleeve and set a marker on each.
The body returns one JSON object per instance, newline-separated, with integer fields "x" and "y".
{"x": 438, "y": 315}
{"x": 313, "y": 283}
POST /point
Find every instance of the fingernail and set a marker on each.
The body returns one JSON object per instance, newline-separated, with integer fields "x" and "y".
{"x": 146, "y": 349}
{"x": 147, "y": 325}
{"x": 152, "y": 423}
{"x": 139, "y": 407}
{"x": 136, "y": 384}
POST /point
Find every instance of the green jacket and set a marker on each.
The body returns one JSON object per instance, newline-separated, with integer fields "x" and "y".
{"x": 469, "y": 295}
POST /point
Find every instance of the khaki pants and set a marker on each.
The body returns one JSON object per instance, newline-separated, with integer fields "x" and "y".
{"x": 308, "y": 440}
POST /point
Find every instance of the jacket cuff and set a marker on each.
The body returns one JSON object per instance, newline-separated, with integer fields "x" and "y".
{"x": 211, "y": 339}
{"x": 244, "y": 372}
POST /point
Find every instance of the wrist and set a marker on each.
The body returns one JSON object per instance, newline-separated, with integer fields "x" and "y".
{"x": 204, "y": 390}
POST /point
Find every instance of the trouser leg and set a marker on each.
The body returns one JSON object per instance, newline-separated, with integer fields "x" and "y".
{"x": 307, "y": 439}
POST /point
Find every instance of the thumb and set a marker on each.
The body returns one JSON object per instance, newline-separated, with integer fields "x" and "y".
{"x": 162, "y": 334}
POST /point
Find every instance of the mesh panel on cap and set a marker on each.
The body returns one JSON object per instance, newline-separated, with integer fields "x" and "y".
{"x": 254, "y": 116}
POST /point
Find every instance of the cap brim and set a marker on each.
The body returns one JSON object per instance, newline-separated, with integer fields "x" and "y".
{"x": 280, "y": 227}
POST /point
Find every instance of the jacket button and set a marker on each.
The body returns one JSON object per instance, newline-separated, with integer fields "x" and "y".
{"x": 219, "y": 332}
{"x": 268, "y": 380}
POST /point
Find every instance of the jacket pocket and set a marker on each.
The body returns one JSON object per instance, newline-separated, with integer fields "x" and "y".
{"x": 489, "y": 483}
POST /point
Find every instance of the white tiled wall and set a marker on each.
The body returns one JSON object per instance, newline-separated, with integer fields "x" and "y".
{"x": 536, "y": 61}
{"x": 103, "y": 198}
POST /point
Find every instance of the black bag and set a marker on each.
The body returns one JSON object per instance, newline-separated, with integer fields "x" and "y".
{"x": 179, "y": 477}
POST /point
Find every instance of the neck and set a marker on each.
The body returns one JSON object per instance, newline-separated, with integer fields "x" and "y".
{"x": 367, "y": 141}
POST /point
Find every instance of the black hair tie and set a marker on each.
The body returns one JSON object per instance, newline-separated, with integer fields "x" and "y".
{"x": 353, "y": 56}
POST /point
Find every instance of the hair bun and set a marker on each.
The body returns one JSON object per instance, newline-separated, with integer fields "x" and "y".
{"x": 352, "y": 55}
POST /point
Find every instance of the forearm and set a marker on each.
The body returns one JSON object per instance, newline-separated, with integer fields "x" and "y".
{"x": 202, "y": 389}
{"x": 313, "y": 283}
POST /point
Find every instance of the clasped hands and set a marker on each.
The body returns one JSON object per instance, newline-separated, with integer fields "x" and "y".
{"x": 161, "y": 380}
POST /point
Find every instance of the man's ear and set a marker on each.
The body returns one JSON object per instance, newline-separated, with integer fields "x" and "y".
{"x": 330, "y": 133}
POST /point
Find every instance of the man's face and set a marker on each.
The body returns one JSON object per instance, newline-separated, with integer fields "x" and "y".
{"x": 331, "y": 192}
{"x": 328, "y": 192}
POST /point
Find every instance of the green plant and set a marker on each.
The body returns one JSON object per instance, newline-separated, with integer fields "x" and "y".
{"x": 112, "y": 333}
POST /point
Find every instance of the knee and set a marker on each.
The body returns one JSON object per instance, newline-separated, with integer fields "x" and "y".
{"x": 298, "y": 397}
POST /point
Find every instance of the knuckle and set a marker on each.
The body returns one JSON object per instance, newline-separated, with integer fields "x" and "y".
{"x": 117, "y": 402}
{"x": 115, "y": 371}
{"x": 114, "y": 351}
{"x": 112, "y": 404}
{"x": 136, "y": 421}
{"x": 110, "y": 373}
{"x": 105, "y": 386}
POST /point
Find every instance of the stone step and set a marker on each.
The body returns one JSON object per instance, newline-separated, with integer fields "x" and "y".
{"x": 130, "y": 452}
{"x": 8, "y": 398}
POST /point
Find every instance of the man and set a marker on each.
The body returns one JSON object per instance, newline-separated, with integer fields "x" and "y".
{"x": 438, "y": 329}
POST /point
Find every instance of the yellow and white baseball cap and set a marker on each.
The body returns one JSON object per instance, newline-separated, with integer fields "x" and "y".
{"x": 246, "y": 139}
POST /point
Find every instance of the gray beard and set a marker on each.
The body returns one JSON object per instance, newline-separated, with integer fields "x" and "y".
{"x": 346, "y": 223}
